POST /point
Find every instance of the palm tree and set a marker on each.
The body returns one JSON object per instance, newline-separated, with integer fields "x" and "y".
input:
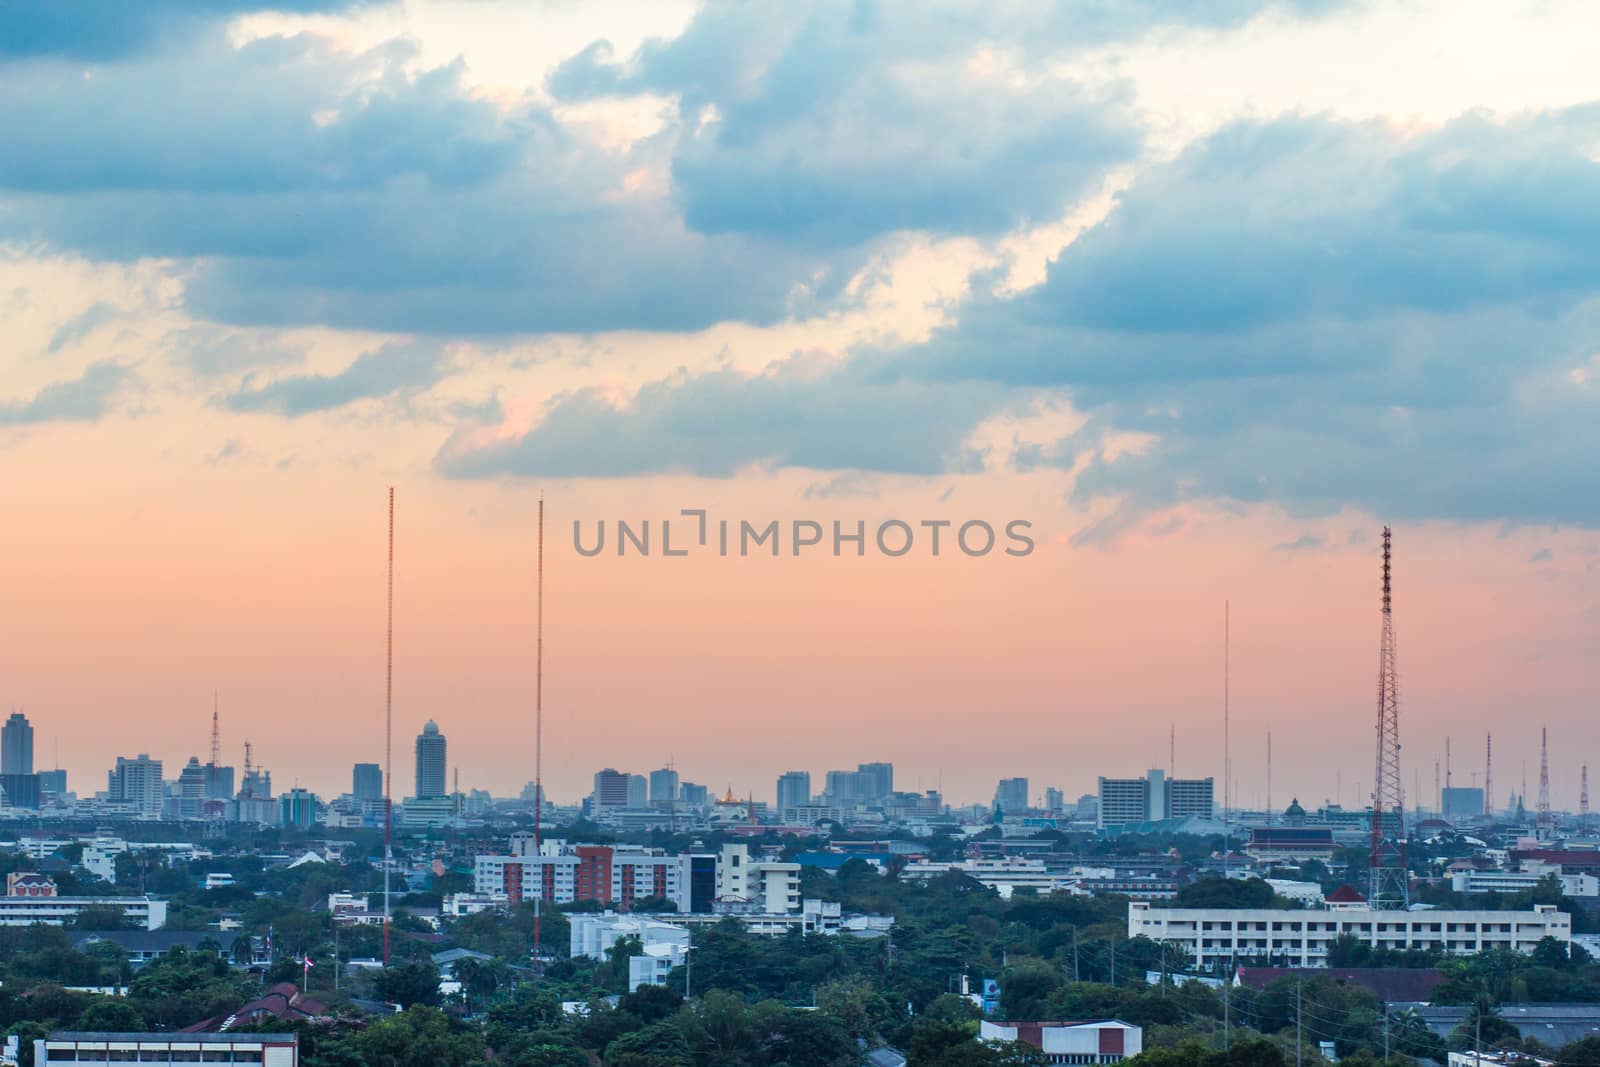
{"x": 241, "y": 950}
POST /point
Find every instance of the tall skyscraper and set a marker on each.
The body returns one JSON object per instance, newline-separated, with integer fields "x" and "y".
{"x": 1054, "y": 800}
{"x": 138, "y": 782}
{"x": 878, "y": 779}
{"x": 794, "y": 790}
{"x": 16, "y": 745}
{"x": 610, "y": 789}
{"x": 430, "y": 762}
{"x": 1011, "y": 796}
{"x": 663, "y": 788}
{"x": 366, "y": 781}
{"x": 638, "y": 792}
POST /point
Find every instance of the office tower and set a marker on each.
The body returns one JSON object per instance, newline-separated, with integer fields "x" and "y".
{"x": 430, "y": 762}
{"x": 52, "y": 783}
{"x": 298, "y": 809}
{"x": 878, "y": 780}
{"x": 1011, "y": 796}
{"x": 1054, "y": 800}
{"x": 638, "y": 792}
{"x": 138, "y": 782}
{"x": 610, "y": 789}
{"x": 691, "y": 795}
{"x": 794, "y": 790}
{"x": 1462, "y": 803}
{"x": 16, "y": 745}
{"x": 191, "y": 789}
{"x": 219, "y": 782}
{"x": 663, "y": 788}
{"x": 846, "y": 789}
{"x": 366, "y": 781}
{"x": 1153, "y": 798}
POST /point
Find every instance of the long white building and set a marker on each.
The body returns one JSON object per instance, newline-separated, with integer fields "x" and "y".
{"x": 1302, "y": 938}
{"x": 142, "y": 912}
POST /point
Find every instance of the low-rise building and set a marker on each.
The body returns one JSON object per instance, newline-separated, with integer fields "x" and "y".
{"x": 142, "y": 912}
{"x": 1301, "y": 938}
{"x": 1104, "y": 1041}
{"x": 268, "y": 1050}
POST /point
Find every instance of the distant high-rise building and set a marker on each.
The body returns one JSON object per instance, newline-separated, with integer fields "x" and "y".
{"x": 298, "y": 809}
{"x": 1055, "y": 801}
{"x": 366, "y": 781}
{"x": 692, "y": 795}
{"x": 1462, "y": 802}
{"x": 846, "y": 789}
{"x": 16, "y": 745}
{"x": 638, "y": 792}
{"x": 52, "y": 783}
{"x": 219, "y": 782}
{"x": 1011, "y": 796}
{"x": 878, "y": 780}
{"x": 663, "y": 788}
{"x": 794, "y": 790}
{"x": 610, "y": 790}
{"x": 1153, "y": 798}
{"x": 138, "y": 782}
{"x": 431, "y": 762}
{"x": 191, "y": 789}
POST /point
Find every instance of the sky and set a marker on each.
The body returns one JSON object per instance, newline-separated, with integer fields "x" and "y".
{"x": 1206, "y": 294}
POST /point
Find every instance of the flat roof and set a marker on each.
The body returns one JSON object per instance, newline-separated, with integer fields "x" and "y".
{"x": 173, "y": 1038}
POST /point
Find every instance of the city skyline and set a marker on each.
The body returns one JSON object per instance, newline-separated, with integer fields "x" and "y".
{"x": 1207, "y": 323}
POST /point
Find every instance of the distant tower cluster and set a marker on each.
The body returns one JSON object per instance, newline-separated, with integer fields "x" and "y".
{"x": 1390, "y": 880}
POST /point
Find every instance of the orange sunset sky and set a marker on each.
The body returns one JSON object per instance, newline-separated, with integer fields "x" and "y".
{"x": 1207, "y": 300}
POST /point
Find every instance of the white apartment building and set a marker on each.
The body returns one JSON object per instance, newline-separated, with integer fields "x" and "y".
{"x": 654, "y": 964}
{"x": 1004, "y": 876}
{"x": 264, "y": 1050}
{"x": 1302, "y": 938}
{"x": 594, "y": 935}
{"x": 141, "y": 912}
{"x": 764, "y": 887}
{"x": 1572, "y": 885}
{"x": 566, "y": 873}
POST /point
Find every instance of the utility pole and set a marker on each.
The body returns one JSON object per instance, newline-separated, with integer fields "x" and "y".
{"x": 1075, "y": 954}
{"x": 388, "y": 744}
{"x": 1298, "y": 1045}
{"x": 1386, "y": 1031}
{"x": 688, "y": 963}
{"x": 1227, "y": 1013}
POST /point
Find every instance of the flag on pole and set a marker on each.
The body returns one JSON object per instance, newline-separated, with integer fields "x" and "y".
{"x": 308, "y": 963}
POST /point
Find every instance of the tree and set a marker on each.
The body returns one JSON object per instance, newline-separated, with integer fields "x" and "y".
{"x": 110, "y": 1014}
{"x": 409, "y": 984}
{"x": 1025, "y": 989}
{"x": 1584, "y": 1053}
{"x": 420, "y": 1037}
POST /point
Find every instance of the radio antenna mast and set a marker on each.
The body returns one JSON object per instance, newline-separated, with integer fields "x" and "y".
{"x": 538, "y": 742}
{"x": 388, "y": 746}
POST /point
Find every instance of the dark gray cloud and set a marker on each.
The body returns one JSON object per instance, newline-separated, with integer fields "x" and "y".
{"x": 799, "y": 413}
{"x": 313, "y": 186}
{"x": 81, "y": 399}
{"x": 1307, "y": 314}
{"x": 394, "y": 368}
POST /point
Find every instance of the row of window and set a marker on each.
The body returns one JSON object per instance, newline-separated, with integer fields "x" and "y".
{"x": 122, "y": 1055}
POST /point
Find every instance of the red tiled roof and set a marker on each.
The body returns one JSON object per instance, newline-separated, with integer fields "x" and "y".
{"x": 1345, "y": 895}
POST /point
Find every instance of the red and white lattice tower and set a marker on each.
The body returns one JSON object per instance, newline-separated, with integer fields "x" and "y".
{"x": 1390, "y": 880}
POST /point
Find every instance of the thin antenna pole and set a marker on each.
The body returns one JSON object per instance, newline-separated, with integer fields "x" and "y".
{"x": 538, "y": 744}
{"x": 1227, "y": 761}
{"x": 388, "y": 746}
{"x": 1269, "y": 777}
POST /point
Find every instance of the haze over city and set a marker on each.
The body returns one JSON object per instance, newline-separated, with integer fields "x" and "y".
{"x": 1142, "y": 292}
